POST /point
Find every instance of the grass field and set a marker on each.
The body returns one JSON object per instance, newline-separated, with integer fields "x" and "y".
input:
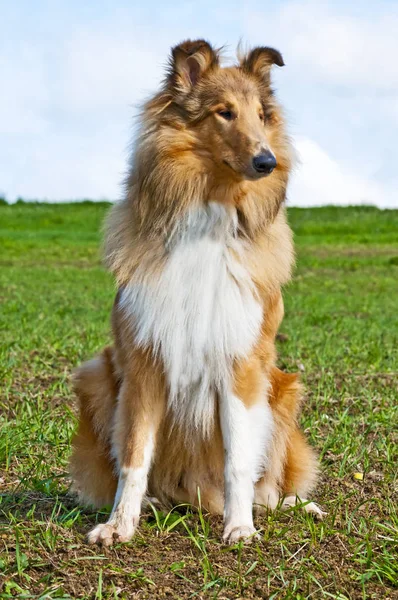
{"x": 340, "y": 330}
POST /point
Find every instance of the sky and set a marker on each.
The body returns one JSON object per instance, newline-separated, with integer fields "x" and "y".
{"x": 73, "y": 75}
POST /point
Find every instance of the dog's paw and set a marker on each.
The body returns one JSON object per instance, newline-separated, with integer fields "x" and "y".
{"x": 315, "y": 510}
{"x": 107, "y": 534}
{"x": 309, "y": 507}
{"x": 246, "y": 533}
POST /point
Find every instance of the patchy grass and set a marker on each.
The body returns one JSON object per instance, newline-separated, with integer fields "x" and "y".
{"x": 340, "y": 330}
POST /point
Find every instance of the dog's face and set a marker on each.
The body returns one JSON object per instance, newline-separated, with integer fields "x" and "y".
{"x": 231, "y": 110}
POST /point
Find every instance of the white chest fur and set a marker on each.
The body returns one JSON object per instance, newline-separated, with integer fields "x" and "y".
{"x": 199, "y": 314}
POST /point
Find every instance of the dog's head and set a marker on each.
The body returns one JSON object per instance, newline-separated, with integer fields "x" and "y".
{"x": 232, "y": 110}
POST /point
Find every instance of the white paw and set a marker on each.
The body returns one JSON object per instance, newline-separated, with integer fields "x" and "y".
{"x": 309, "y": 507}
{"x": 315, "y": 510}
{"x": 107, "y": 534}
{"x": 232, "y": 535}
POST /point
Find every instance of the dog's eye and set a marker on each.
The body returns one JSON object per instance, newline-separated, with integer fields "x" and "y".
{"x": 261, "y": 115}
{"x": 228, "y": 115}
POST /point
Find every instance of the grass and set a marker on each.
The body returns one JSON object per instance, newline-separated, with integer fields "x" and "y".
{"x": 340, "y": 331}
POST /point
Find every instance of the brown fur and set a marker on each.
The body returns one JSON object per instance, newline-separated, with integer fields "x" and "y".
{"x": 179, "y": 470}
{"x": 188, "y": 154}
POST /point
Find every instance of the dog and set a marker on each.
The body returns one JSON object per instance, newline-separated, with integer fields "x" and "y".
{"x": 188, "y": 400}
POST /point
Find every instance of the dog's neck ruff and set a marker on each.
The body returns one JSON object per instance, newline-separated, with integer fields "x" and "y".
{"x": 199, "y": 314}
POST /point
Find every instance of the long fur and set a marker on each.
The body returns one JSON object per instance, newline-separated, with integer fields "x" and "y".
{"x": 177, "y": 471}
{"x": 189, "y": 397}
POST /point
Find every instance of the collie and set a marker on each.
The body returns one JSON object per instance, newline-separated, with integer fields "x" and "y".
{"x": 188, "y": 399}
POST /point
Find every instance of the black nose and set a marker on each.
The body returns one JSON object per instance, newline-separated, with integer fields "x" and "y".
{"x": 264, "y": 162}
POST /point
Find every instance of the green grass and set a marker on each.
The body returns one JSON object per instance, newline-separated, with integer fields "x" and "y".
{"x": 340, "y": 330}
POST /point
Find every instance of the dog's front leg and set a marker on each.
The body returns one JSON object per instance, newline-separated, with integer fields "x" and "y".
{"x": 238, "y": 469}
{"x": 137, "y": 419}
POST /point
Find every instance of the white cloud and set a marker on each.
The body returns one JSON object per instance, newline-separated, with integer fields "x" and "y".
{"x": 105, "y": 70}
{"x": 320, "y": 40}
{"x": 320, "y": 180}
{"x": 341, "y": 87}
{"x": 66, "y": 166}
{"x": 68, "y": 97}
{"x": 67, "y": 134}
{"x": 24, "y": 95}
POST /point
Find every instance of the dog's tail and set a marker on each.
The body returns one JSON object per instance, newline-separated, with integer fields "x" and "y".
{"x": 92, "y": 467}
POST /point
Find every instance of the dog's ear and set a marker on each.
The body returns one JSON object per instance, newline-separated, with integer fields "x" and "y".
{"x": 260, "y": 60}
{"x": 188, "y": 62}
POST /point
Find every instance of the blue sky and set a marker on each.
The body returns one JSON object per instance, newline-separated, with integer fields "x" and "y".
{"x": 73, "y": 73}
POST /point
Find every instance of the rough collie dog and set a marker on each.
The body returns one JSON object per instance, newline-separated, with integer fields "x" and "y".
{"x": 189, "y": 398}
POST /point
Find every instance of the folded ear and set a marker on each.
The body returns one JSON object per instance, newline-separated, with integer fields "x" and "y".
{"x": 260, "y": 60}
{"x": 188, "y": 62}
